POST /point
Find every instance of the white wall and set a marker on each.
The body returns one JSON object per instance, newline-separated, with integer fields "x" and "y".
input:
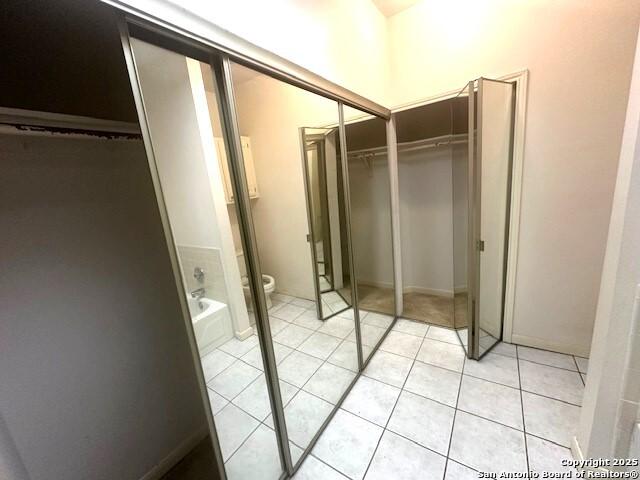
{"x": 371, "y": 221}
{"x": 182, "y": 137}
{"x": 96, "y": 377}
{"x": 177, "y": 145}
{"x": 345, "y": 42}
{"x": 460, "y": 153}
{"x": 270, "y": 113}
{"x": 610, "y": 407}
{"x": 426, "y": 210}
{"x": 579, "y": 56}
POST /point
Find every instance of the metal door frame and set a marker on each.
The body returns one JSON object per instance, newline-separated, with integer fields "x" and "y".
{"x": 475, "y": 212}
{"x": 312, "y": 233}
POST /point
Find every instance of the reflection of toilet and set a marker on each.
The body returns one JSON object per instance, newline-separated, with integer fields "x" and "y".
{"x": 268, "y": 282}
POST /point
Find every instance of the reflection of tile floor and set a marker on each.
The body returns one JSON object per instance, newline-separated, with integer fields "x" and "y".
{"x": 423, "y": 410}
{"x": 324, "y": 283}
{"x": 332, "y": 303}
{"x": 316, "y": 363}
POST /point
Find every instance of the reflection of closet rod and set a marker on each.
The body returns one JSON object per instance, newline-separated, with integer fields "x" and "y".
{"x": 434, "y": 142}
{"x": 29, "y": 122}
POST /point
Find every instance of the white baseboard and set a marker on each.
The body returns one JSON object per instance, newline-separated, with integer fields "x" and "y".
{"x": 409, "y": 289}
{"x": 244, "y": 334}
{"x": 373, "y": 283}
{"x": 576, "y": 453}
{"x": 550, "y": 345}
{"x": 177, "y": 454}
{"x": 428, "y": 291}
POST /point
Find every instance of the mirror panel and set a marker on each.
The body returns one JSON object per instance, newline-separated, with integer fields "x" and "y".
{"x": 191, "y": 162}
{"x": 322, "y": 164}
{"x": 460, "y": 183}
{"x": 495, "y": 114}
{"x": 370, "y": 204}
{"x": 316, "y": 357}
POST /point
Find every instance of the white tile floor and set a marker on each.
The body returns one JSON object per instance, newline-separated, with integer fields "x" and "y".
{"x": 317, "y": 361}
{"x": 420, "y": 410}
{"x": 423, "y": 410}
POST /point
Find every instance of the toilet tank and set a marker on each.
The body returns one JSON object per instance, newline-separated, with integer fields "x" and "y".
{"x": 241, "y": 265}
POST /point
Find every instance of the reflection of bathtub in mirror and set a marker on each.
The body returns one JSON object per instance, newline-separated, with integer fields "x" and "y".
{"x": 211, "y": 323}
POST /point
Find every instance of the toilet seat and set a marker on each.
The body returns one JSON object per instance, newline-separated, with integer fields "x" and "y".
{"x": 268, "y": 283}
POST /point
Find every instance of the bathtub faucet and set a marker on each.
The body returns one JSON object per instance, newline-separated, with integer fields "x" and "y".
{"x": 198, "y": 293}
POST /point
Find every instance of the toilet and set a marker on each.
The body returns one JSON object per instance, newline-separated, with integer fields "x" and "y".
{"x": 268, "y": 282}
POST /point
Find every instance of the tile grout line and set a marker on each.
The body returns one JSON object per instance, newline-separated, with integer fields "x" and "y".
{"x": 262, "y": 373}
{"x": 243, "y": 442}
{"x": 524, "y": 424}
{"x": 334, "y": 405}
{"x": 325, "y": 361}
{"x": 411, "y": 440}
{"x": 262, "y": 422}
{"x": 447, "y": 459}
{"x": 453, "y": 423}
{"x": 552, "y": 366}
{"x": 494, "y": 352}
{"x": 402, "y": 389}
{"x": 270, "y": 412}
{"x": 455, "y": 407}
{"x": 328, "y": 465}
{"x": 384, "y": 429}
{"x": 230, "y": 401}
{"x": 487, "y": 380}
{"x": 579, "y": 372}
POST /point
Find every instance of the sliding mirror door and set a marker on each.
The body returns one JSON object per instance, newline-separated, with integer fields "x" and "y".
{"x": 491, "y": 194}
{"x": 370, "y": 212}
{"x": 315, "y": 360}
{"x": 322, "y": 165}
{"x": 189, "y": 161}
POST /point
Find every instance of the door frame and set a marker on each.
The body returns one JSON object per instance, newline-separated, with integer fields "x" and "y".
{"x": 521, "y": 81}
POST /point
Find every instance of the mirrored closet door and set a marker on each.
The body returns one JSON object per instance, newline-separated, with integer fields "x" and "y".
{"x": 190, "y": 161}
{"x": 370, "y": 215}
{"x": 491, "y": 115}
{"x": 316, "y": 359}
{"x": 252, "y": 178}
{"x": 324, "y": 182}
{"x": 454, "y": 174}
{"x": 461, "y": 123}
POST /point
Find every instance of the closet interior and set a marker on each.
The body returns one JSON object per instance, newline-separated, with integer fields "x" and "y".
{"x": 454, "y": 161}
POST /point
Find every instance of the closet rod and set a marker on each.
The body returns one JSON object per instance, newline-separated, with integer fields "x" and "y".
{"x": 433, "y": 142}
{"x": 31, "y": 121}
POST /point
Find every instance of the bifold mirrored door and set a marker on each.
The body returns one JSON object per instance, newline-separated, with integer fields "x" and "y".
{"x": 491, "y": 120}
{"x": 460, "y": 121}
{"x": 327, "y": 218}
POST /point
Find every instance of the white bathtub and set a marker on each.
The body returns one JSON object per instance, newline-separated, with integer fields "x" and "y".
{"x": 211, "y": 323}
